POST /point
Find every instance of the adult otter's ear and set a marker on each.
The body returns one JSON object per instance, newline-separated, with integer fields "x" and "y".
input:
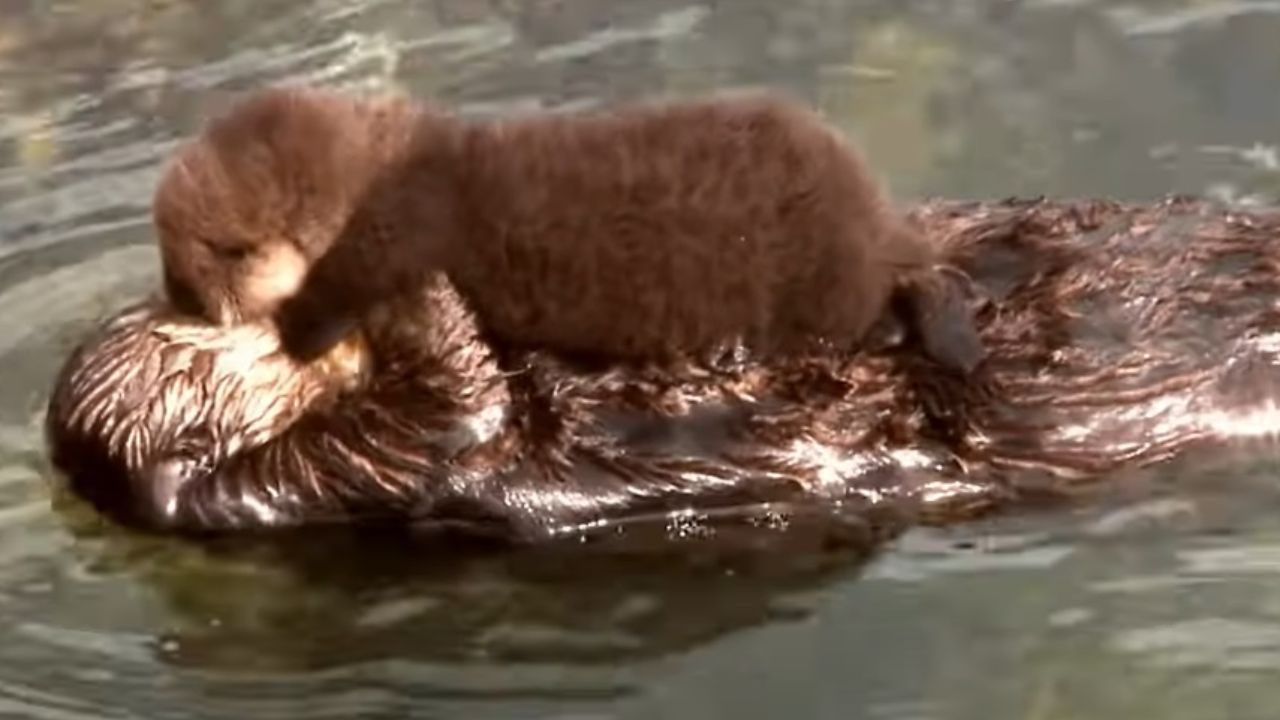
{"x": 939, "y": 314}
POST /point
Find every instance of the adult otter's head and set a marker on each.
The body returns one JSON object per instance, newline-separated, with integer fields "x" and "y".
{"x": 245, "y": 208}
{"x": 152, "y": 385}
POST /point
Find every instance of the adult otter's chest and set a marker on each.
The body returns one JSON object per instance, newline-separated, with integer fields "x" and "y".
{"x": 669, "y": 229}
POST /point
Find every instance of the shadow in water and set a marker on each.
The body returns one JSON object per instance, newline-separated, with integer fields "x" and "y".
{"x": 334, "y": 597}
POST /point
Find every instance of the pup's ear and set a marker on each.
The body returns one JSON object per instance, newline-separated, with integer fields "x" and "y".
{"x": 939, "y": 314}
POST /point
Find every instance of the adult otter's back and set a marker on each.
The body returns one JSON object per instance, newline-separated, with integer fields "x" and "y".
{"x": 1118, "y": 335}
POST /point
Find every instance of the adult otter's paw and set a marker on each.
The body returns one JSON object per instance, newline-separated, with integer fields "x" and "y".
{"x": 939, "y": 313}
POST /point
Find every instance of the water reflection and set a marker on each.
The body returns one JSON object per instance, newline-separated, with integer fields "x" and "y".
{"x": 1161, "y": 610}
{"x": 326, "y": 605}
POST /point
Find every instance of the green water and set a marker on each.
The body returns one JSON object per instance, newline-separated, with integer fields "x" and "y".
{"x": 1154, "y": 601}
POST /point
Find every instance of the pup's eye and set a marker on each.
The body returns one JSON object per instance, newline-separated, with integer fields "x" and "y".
{"x": 236, "y": 253}
{"x": 233, "y": 253}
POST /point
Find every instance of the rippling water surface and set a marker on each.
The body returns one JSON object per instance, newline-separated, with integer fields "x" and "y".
{"x": 1160, "y": 603}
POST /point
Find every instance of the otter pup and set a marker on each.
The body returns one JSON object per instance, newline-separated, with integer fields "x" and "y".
{"x": 652, "y": 231}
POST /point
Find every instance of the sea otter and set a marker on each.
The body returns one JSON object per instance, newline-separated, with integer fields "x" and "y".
{"x": 652, "y": 231}
{"x": 154, "y": 382}
{"x": 435, "y": 431}
{"x": 1118, "y": 335}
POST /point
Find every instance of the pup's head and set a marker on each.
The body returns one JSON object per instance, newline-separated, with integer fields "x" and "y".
{"x": 246, "y": 207}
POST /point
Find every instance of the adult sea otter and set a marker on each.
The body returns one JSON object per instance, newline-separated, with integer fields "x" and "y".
{"x": 1116, "y": 335}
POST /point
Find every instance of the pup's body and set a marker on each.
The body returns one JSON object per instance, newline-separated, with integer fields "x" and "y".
{"x": 647, "y": 232}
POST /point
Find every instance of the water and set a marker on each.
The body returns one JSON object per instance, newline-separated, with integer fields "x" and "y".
{"x": 1158, "y": 600}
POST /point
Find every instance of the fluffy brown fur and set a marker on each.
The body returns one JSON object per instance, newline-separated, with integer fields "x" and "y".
{"x": 652, "y": 231}
{"x": 1118, "y": 336}
{"x": 245, "y": 208}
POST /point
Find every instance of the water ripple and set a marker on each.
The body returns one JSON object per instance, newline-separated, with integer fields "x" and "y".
{"x": 1143, "y": 24}
{"x": 115, "y": 645}
{"x": 21, "y": 701}
{"x": 674, "y": 23}
{"x": 1235, "y": 560}
{"x": 1213, "y": 642}
{"x": 72, "y": 292}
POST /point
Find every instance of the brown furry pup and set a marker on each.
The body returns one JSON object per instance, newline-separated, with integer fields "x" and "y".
{"x": 1118, "y": 336}
{"x": 655, "y": 231}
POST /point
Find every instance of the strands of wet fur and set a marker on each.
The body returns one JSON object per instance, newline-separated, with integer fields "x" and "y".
{"x": 1157, "y": 267}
